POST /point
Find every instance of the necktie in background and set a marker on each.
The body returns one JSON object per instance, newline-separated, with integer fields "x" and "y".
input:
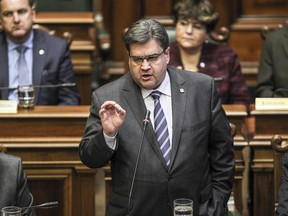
{"x": 23, "y": 75}
{"x": 161, "y": 127}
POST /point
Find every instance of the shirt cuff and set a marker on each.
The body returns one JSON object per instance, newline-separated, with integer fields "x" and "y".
{"x": 110, "y": 141}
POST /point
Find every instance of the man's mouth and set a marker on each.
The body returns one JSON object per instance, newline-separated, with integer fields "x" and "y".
{"x": 146, "y": 76}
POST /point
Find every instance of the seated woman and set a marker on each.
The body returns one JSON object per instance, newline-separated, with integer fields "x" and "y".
{"x": 13, "y": 184}
{"x": 193, "y": 52}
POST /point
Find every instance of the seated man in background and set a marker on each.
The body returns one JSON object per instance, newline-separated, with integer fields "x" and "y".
{"x": 33, "y": 57}
{"x": 282, "y": 208}
{"x": 13, "y": 184}
{"x": 272, "y": 80}
{"x": 192, "y": 51}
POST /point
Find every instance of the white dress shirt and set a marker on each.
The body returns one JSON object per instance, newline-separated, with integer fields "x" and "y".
{"x": 166, "y": 104}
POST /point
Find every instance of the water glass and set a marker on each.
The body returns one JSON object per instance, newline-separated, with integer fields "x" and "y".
{"x": 11, "y": 211}
{"x": 183, "y": 207}
{"x": 26, "y": 97}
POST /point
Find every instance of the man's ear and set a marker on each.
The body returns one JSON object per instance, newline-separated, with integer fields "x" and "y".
{"x": 33, "y": 11}
{"x": 167, "y": 53}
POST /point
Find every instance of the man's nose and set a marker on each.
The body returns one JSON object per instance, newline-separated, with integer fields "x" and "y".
{"x": 16, "y": 17}
{"x": 145, "y": 64}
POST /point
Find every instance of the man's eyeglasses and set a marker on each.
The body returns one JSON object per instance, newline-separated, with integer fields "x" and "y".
{"x": 150, "y": 58}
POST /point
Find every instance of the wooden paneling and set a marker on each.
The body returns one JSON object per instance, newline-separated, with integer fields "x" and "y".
{"x": 157, "y": 7}
{"x": 83, "y": 47}
{"x": 236, "y": 114}
{"x": 265, "y": 7}
{"x": 47, "y": 140}
{"x": 64, "y": 5}
{"x": 265, "y": 163}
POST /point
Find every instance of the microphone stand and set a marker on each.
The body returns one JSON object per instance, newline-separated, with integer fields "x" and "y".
{"x": 145, "y": 123}
{"x": 41, "y": 206}
{"x": 42, "y": 86}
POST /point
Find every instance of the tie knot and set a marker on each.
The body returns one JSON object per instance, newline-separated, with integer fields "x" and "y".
{"x": 156, "y": 95}
{"x": 21, "y": 49}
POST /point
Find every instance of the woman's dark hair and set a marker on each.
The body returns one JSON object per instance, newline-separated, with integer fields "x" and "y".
{"x": 144, "y": 30}
{"x": 199, "y": 10}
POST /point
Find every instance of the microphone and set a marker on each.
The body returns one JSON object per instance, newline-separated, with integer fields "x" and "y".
{"x": 43, "y": 205}
{"x": 146, "y": 120}
{"x": 60, "y": 85}
{"x": 145, "y": 123}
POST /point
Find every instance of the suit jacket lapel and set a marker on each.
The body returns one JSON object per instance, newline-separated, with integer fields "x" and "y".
{"x": 40, "y": 50}
{"x": 179, "y": 98}
{"x": 4, "y": 81}
{"x": 133, "y": 96}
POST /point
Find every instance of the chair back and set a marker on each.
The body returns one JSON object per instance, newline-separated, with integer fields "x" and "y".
{"x": 3, "y": 148}
{"x": 66, "y": 35}
{"x": 265, "y": 30}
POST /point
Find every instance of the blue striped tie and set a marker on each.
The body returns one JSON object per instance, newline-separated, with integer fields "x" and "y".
{"x": 161, "y": 127}
{"x": 22, "y": 66}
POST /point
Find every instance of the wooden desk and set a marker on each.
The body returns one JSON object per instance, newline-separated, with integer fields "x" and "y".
{"x": 236, "y": 114}
{"x": 265, "y": 163}
{"x": 47, "y": 139}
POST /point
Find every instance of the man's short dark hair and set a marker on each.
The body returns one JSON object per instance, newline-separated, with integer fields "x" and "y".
{"x": 144, "y": 30}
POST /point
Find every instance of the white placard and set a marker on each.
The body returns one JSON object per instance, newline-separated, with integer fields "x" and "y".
{"x": 271, "y": 103}
{"x": 8, "y": 106}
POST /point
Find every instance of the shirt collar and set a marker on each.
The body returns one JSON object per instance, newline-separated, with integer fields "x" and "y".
{"x": 164, "y": 88}
{"x": 28, "y": 43}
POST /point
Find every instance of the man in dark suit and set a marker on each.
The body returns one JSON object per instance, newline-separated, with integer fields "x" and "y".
{"x": 47, "y": 57}
{"x": 13, "y": 184}
{"x": 198, "y": 161}
{"x": 272, "y": 80}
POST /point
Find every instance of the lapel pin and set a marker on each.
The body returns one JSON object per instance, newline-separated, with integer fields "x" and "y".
{"x": 181, "y": 90}
{"x": 41, "y": 52}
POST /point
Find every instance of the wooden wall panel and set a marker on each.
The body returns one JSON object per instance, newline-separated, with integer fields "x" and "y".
{"x": 83, "y": 47}
{"x": 265, "y": 7}
{"x": 50, "y": 156}
{"x": 120, "y": 14}
{"x": 157, "y": 7}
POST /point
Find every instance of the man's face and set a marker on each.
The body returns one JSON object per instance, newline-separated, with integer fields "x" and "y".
{"x": 148, "y": 64}
{"x": 17, "y": 18}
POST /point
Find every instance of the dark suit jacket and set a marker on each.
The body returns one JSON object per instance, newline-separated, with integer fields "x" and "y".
{"x": 273, "y": 66}
{"x": 218, "y": 61}
{"x": 202, "y": 159}
{"x": 282, "y": 209}
{"x": 13, "y": 183}
{"x": 52, "y": 67}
